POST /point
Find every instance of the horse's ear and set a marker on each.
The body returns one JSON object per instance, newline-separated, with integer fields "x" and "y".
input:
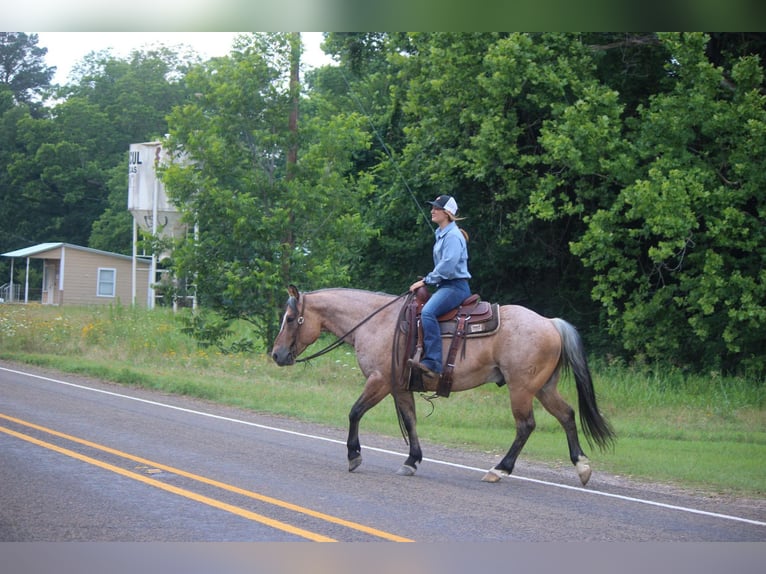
{"x": 293, "y": 291}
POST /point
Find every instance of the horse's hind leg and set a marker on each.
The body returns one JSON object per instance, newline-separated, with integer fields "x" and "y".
{"x": 521, "y": 405}
{"x": 553, "y": 402}
{"x": 375, "y": 390}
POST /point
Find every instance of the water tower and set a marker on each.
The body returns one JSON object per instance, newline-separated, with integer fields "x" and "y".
{"x": 149, "y": 204}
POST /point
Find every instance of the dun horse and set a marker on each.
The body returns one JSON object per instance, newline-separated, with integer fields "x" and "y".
{"x": 527, "y": 353}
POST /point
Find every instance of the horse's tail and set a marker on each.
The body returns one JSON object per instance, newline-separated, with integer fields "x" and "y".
{"x": 596, "y": 428}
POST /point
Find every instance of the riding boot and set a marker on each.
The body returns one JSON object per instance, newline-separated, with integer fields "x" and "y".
{"x": 423, "y": 369}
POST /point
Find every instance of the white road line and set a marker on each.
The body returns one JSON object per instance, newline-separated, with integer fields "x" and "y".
{"x": 398, "y": 454}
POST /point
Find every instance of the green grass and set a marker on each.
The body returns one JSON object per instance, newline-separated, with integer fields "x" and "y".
{"x": 707, "y": 432}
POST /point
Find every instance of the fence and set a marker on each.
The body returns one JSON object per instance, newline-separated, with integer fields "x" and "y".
{"x": 6, "y": 295}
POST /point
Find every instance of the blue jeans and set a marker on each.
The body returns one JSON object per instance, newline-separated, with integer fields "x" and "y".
{"x": 449, "y": 295}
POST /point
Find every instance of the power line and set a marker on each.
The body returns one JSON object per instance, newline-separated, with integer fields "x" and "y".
{"x": 426, "y": 217}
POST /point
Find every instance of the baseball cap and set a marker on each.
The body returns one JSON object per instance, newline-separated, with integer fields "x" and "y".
{"x": 445, "y": 202}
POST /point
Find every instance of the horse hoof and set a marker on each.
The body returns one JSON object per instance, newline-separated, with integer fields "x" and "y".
{"x": 583, "y": 470}
{"x": 406, "y": 470}
{"x": 494, "y": 475}
{"x": 354, "y": 463}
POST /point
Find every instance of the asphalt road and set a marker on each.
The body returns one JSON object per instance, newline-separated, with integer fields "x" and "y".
{"x": 85, "y": 460}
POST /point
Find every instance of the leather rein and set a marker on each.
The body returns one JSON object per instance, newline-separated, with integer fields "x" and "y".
{"x": 340, "y": 340}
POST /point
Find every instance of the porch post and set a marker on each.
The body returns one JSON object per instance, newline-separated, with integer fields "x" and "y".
{"x": 26, "y": 283}
{"x": 153, "y": 272}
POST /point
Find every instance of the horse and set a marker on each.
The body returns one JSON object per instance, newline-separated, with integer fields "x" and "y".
{"x": 527, "y": 353}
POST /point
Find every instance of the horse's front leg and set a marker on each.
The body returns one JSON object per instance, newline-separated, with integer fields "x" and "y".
{"x": 405, "y": 407}
{"x": 375, "y": 390}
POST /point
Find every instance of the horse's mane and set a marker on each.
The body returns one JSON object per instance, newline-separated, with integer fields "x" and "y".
{"x": 350, "y": 290}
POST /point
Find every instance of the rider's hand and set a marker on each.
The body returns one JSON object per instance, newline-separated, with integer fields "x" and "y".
{"x": 417, "y": 285}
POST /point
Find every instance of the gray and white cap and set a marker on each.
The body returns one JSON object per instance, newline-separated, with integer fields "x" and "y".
{"x": 445, "y": 202}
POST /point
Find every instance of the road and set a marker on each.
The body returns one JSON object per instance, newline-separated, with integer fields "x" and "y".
{"x": 86, "y": 460}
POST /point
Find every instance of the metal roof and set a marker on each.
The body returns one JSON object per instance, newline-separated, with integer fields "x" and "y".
{"x": 43, "y": 247}
{"x": 34, "y": 250}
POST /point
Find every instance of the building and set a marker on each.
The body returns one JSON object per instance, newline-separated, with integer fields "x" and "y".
{"x": 75, "y": 275}
{"x": 148, "y": 202}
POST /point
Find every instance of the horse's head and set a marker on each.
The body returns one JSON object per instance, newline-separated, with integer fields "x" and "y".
{"x": 296, "y": 333}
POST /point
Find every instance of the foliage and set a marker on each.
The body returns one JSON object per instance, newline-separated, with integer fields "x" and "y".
{"x": 211, "y": 330}
{"x": 23, "y": 79}
{"x": 262, "y": 222}
{"x": 66, "y": 171}
{"x": 23, "y": 72}
{"x": 613, "y": 179}
{"x": 545, "y": 155}
{"x": 369, "y": 82}
{"x": 678, "y": 255}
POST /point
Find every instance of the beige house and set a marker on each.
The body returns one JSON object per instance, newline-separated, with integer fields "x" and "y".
{"x": 74, "y": 275}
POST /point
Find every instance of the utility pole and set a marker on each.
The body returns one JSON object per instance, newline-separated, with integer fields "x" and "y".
{"x": 295, "y": 91}
{"x": 292, "y": 149}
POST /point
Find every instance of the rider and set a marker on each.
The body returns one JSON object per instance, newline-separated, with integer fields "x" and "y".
{"x": 450, "y": 278}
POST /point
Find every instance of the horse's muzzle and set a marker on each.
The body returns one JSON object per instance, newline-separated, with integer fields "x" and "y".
{"x": 283, "y": 357}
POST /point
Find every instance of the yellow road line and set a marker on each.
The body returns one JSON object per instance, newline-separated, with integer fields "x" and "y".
{"x": 212, "y": 502}
{"x": 175, "y": 490}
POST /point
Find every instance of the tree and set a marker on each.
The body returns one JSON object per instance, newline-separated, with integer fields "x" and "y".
{"x": 23, "y": 79}
{"x": 369, "y": 81}
{"x": 135, "y": 95}
{"x": 22, "y": 68}
{"x": 259, "y": 225}
{"x": 475, "y": 110}
{"x": 614, "y": 179}
{"x": 679, "y": 254}
{"x": 65, "y": 176}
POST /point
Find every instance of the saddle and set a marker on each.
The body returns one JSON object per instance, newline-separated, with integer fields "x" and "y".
{"x": 472, "y": 318}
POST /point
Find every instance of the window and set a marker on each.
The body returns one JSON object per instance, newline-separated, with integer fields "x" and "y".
{"x": 106, "y": 282}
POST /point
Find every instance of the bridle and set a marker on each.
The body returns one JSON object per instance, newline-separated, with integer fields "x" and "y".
{"x": 291, "y": 302}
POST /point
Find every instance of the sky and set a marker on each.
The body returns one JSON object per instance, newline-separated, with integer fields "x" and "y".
{"x": 66, "y": 49}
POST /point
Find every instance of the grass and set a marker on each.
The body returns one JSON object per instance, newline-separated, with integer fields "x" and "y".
{"x": 707, "y": 433}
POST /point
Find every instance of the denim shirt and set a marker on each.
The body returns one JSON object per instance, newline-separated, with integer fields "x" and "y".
{"x": 450, "y": 256}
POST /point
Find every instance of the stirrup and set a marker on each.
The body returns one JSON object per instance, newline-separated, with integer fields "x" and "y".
{"x": 423, "y": 369}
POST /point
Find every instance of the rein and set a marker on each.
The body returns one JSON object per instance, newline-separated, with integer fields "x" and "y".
{"x": 340, "y": 340}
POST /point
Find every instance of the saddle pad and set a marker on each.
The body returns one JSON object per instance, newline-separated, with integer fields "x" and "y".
{"x": 474, "y": 328}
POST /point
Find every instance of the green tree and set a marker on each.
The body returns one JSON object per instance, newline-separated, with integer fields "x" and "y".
{"x": 679, "y": 254}
{"x": 369, "y": 81}
{"x": 15, "y": 231}
{"x": 262, "y": 222}
{"x": 24, "y": 79}
{"x": 67, "y": 173}
{"x": 135, "y": 95}
{"x": 22, "y": 68}
{"x": 475, "y": 108}
{"x": 614, "y": 179}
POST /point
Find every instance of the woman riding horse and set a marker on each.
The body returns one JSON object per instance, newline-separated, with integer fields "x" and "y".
{"x": 528, "y": 353}
{"x": 450, "y": 277}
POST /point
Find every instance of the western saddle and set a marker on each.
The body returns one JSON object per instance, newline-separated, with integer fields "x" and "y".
{"x": 472, "y": 318}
